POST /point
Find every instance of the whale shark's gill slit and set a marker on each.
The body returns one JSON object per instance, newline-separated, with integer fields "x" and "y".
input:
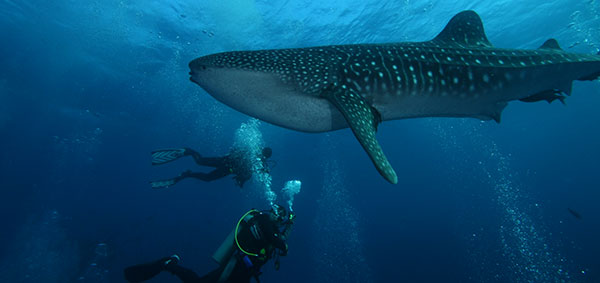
{"x": 363, "y": 120}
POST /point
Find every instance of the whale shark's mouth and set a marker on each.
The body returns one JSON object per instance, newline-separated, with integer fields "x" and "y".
{"x": 197, "y": 67}
{"x": 193, "y": 78}
{"x": 191, "y": 73}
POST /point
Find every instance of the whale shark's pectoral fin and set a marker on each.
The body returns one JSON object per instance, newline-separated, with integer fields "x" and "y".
{"x": 363, "y": 120}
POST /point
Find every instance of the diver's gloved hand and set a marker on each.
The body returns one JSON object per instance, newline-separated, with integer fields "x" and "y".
{"x": 277, "y": 264}
{"x": 239, "y": 181}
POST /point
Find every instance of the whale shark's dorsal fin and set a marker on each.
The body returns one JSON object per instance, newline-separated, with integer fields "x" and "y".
{"x": 465, "y": 28}
{"x": 551, "y": 44}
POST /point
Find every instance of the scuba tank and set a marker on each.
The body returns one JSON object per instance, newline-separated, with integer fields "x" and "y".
{"x": 226, "y": 254}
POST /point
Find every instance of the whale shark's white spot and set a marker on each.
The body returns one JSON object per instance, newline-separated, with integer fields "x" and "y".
{"x": 486, "y": 78}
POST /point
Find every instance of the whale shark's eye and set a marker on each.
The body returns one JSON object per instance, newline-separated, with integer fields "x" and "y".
{"x": 203, "y": 67}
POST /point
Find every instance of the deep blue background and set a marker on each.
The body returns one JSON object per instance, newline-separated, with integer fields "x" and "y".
{"x": 88, "y": 89}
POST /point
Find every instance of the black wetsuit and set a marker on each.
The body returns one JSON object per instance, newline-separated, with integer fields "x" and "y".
{"x": 271, "y": 239}
{"x": 236, "y": 162}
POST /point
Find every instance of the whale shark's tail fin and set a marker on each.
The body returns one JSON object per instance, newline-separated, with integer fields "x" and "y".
{"x": 163, "y": 156}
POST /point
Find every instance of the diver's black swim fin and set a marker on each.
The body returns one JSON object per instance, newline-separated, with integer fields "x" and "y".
{"x": 143, "y": 272}
{"x": 163, "y": 156}
{"x": 163, "y": 184}
{"x": 146, "y": 271}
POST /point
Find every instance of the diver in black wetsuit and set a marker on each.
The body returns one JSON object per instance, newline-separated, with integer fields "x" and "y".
{"x": 237, "y": 162}
{"x": 257, "y": 238}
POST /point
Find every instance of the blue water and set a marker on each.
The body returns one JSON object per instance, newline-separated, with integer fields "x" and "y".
{"x": 89, "y": 88}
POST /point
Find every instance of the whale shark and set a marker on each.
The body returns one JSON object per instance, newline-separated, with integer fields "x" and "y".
{"x": 459, "y": 73}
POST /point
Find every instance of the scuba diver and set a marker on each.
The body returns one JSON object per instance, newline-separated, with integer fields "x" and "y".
{"x": 237, "y": 162}
{"x": 258, "y": 237}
